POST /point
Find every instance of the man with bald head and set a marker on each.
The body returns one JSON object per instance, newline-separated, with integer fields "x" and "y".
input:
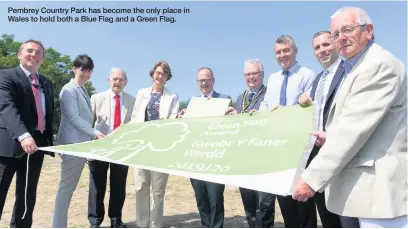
{"x": 110, "y": 109}
{"x": 362, "y": 164}
{"x": 206, "y": 81}
{"x": 209, "y": 195}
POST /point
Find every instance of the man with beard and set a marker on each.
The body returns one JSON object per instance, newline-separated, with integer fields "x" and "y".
{"x": 284, "y": 89}
{"x": 26, "y": 116}
{"x": 259, "y": 206}
{"x": 110, "y": 109}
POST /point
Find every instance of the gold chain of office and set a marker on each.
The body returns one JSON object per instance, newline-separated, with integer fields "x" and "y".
{"x": 245, "y": 104}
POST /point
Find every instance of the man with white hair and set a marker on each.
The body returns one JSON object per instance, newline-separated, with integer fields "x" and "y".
{"x": 362, "y": 165}
{"x": 110, "y": 109}
{"x": 259, "y": 206}
{"x": 284, "y": 88}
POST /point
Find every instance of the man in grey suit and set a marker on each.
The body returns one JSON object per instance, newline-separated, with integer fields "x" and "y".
{"x": 209, "y": 196}
{"x": 75, "y": 127}
{"x": 259, "y": 206}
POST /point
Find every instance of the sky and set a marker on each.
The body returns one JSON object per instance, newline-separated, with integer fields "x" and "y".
{"x": 219, "y": 35}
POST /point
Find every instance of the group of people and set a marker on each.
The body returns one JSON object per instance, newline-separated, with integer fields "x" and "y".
{"x": 356, "y": 174}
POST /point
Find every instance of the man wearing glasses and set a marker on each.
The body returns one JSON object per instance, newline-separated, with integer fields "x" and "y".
{"x": 206, "y": 81}
{"x": 362, "y": 165}
{"x": 284, "y": 88}
{"x": 209, "y": 196}
{"x": 259, "y": 206}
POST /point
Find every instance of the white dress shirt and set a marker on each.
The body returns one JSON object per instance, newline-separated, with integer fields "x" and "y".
{"x": 208, "y": 95}
{"x": 329, "y": 78}
{"x": 28, "y": 73}
{"x": 112, "y": 110}
{"x": 300, "y": 80}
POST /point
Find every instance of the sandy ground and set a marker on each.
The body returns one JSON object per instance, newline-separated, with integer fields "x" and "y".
{"x": 180, "y": 208}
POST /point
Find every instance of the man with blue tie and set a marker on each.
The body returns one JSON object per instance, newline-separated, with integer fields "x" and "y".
{"x": 209, "y": 195}
{"x": 324, "y": 88}
{"x": 284, "y": 89}
{"x": 259, "y": 206}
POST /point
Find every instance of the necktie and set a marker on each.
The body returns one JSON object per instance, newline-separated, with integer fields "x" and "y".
{"x": 320, "y": 89}
{"x": 282, "y": 100}
{"x": 319, "y": 98}
{"x": 116, "y": 120}
{"x": 251, "y": 96}
{"x": 35, "y": 86}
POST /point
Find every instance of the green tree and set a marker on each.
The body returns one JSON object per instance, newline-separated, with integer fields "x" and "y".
{"x": 56, "y": 67}
{"x": 183, "y": 104}
{"x": 134, "y": 141}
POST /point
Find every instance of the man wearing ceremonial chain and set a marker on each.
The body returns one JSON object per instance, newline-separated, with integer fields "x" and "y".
{"x": 259, "y": 206}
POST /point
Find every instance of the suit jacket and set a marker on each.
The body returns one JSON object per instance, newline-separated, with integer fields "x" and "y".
{"x": 76, "y": 115}
{"x": 18, "y": 113}
{"x": 338, "y": 75}
{"x": 254, "y": 105}
{"x": 219, "y": 95}
{"x": 101, "y": 110}
{"x": 169, "y": 104}
{"x": 363, "y": 162}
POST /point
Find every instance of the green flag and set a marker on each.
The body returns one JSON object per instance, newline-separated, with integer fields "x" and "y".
{"x": 262, "y": 151}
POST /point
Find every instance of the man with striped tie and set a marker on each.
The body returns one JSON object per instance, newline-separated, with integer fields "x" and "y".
{"x": 361, "y": 169}
{"x": 324, "y": 86}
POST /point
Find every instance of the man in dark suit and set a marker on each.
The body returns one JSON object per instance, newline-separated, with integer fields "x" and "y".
{"x": 26, "y": 116}
{"x": 209, "y": 195}
{"x": 259, "y": 206}
{"x": 323, "y": 93}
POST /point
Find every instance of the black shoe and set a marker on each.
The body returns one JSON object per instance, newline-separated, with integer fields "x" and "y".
{"x": 117, "y": 223}
{"x": 95, "y": 226}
